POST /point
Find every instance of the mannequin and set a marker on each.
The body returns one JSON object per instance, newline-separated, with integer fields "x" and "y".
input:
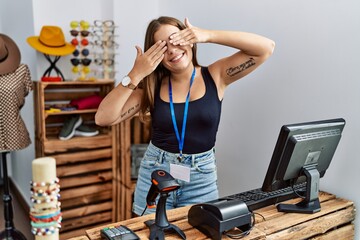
{"x": 15, "y": 84}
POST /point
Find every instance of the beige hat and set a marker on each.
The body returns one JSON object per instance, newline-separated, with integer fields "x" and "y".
{"x": 9, "y": 55}
{"x": 51, "y": 41}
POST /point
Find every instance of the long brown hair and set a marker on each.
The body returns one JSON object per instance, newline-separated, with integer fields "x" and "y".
{"x": 151, "y": 82}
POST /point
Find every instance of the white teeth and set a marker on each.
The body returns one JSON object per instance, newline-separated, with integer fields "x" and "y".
{"x": 176, "y": 58}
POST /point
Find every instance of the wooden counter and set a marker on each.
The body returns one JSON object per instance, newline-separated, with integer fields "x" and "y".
{"x": 334, "y": 221}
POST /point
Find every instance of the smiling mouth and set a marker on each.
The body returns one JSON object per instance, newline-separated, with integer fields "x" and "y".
{"x": 177, "y": 58}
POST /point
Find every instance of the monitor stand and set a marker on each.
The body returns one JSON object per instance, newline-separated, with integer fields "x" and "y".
{"x": 311, "y": 203}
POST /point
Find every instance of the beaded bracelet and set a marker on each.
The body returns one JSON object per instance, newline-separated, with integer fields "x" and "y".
{"x": 54, "y": 213}
{"x": 43, "y": 184}
{"x": 44, "y": 210}
{"x": 44, "y": 192}
{"x": 47, "y": 224}
{"x": 46, "y": 200}
{"x": 44, "y": 231}
{"x": 45, "y": 220}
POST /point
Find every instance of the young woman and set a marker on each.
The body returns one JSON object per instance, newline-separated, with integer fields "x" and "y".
{"x": 184, "y": 101}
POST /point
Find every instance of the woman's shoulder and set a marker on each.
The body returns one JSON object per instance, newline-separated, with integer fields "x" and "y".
{"x": 206, "y": 74}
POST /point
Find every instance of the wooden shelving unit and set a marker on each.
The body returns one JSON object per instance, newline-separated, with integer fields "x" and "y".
{"x": 86, "y": 166}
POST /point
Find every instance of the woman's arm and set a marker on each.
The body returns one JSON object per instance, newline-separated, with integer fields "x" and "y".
{"x": 122, "y": 102}
{"x": 253, "y": 51}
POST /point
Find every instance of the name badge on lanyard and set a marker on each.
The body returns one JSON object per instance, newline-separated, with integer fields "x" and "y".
{"x": 180, "y": 172}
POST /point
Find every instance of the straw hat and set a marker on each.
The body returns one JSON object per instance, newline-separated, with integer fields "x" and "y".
{"x": 51, "y": 41}
{"x": 9, "y": 55}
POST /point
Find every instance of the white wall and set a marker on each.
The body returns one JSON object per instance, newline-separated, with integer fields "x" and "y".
{"x": 132, "y": 18}
{"x": 312, "y": 74}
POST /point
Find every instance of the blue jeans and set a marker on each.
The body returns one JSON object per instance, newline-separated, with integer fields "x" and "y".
{"x": 201, "y": 188}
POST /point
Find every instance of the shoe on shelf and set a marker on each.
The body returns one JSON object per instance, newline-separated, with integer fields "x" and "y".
{"x": 86, "y": 131}
{"x": 68, "y": 129}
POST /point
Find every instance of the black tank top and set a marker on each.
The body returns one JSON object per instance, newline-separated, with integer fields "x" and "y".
{"x": 201, "y": 126}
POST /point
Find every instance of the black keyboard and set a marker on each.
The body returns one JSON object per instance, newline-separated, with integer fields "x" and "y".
{"x": 257, "y": 198}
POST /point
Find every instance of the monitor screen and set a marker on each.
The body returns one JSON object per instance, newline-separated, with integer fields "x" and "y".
{"x": 303, "y": 153}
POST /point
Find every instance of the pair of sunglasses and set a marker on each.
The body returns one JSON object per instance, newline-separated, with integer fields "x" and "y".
{"x": 105, "y": 43}
{"x": 77, "y": 69}
{"x": 106, "y": 23}
{"x": 104, "y": 69}
{"x": 84, "y": 25}
{"x": 104, "y": 55}
{"x": 82, "y": 61}
{"x": 100, "y": 61}
{"x": 83, "y": 42}
{"x": 105, "y": 37}
{"x": 102, "y": 33}
{"x": 85, "y": 52}
{"x": 100, "y": 73}
{"x": 83, "y": 33}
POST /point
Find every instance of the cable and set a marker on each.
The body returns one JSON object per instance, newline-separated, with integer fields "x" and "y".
{"x": 242, "y": 233}
{"x": 295, "y": 191}
{"x": 260, "y": 215}
{"x": 144, "y": 211}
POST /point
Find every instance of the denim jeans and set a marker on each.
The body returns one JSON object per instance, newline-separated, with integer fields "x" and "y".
{"x": 201, "y": 188}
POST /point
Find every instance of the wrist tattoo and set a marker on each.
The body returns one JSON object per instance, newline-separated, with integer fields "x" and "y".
{"x": 242, "y": 67}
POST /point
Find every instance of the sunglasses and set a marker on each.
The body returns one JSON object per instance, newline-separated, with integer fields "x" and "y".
{"x": 83, "y": 33}
{"x": 100, "y": 61}
{"x": 101, "y": 32}
{"x": 85, "y": 52}
{"x": 83, "y": 42}
{"x": 105, "y": 43}
{"x": 85, "y": 69}
{"x": 100, "y": 73}
{"x": 106, "y": 23}
{"x": 83, "y": 61}
{"x": 104, "y": 55}
{"x": 84, "y": 25}
{"x": 104, "y": 37}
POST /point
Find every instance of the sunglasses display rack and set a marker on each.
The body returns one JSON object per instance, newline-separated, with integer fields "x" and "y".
{"x": 104, "y": 46}
{"x": 81, "y": 60}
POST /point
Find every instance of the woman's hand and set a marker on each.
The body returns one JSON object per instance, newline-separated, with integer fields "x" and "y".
{"x": 189, "y": 35}
{"x": 146, "y": 63}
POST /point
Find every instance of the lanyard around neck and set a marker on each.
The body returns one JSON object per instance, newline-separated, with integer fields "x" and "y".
{"x": 180, "y": 139}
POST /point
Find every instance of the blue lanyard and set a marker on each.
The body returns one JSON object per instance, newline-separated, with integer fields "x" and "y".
{"x": 180, "y": 139}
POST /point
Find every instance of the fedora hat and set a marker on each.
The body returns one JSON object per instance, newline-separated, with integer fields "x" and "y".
{"x": 51, "y": 41}
{"x": 9, "y": 55}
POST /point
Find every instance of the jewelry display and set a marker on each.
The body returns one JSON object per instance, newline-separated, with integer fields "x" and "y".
{"x": 45, "y": 213}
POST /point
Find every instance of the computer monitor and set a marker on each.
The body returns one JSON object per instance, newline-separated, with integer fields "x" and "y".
{"x": 303, "y": 153}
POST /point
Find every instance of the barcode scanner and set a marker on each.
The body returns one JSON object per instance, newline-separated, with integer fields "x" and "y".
{"x": 161, "y": 183}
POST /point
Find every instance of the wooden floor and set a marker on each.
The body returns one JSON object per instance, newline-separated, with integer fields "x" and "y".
{"x": 21, "y": 217}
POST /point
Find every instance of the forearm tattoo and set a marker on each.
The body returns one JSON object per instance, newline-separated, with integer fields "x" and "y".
{"x": 130, "y": 110}
{"x": 242, "y": 67}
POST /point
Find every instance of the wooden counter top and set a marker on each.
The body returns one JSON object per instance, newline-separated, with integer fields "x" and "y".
{"x": 334, "y": 221}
